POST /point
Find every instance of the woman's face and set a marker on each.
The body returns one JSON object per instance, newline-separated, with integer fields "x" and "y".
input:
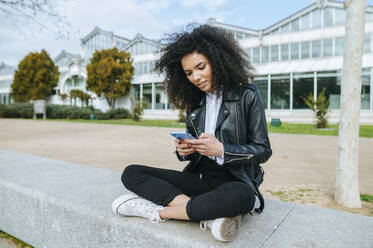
{"x": 198, "y": 70}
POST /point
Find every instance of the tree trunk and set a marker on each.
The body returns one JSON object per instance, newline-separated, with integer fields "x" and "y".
{"x": 347, "y": 180}
{"x": 111, "y": 102}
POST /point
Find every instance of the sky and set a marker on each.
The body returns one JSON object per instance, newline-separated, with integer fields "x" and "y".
{"x": 151, "y": 18}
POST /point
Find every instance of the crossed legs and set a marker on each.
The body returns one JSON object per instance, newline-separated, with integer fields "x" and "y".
{"x": 185, "y": 196}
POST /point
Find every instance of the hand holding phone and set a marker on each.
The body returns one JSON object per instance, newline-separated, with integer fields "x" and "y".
{"x": 184, "y": 149}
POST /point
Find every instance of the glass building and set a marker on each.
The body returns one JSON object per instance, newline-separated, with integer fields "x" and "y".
{"x": 295, "y": 57}
{"x": 6, "y": 79}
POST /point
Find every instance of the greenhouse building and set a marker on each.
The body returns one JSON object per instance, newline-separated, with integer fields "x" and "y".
{"x": 295, "y": 57}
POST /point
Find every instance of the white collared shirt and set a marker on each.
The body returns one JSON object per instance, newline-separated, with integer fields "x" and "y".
{"x": 213, "y": 104}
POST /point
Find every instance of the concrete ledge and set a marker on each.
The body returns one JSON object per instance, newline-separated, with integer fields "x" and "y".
{"x": 49, "y": 203}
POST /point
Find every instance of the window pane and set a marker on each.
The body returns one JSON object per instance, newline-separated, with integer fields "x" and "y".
{"x": 333, "y": 88}
{"x": 327, "y": 46}
{"x": 280, "y": 92}
{"x": 302, "y": 87}
{"x": 316, "y": 19}
{"x": 248, "y": 51}
{"x": 145, "y": 67}
{"x": 276, "y": 31}
{"x": 274, "y": 53}
{"x": 365, "y": 89}
{"x": 368, "y": 17}
{"x": 316, "y": 48}
{"x": 340, "y": 17}
{"x": 262, "y": 85}
{"x": 306, "y": 21}
{"x": 285, "y": 28}
{"x": 339, "y": 46}
{"x": 147, "y": 95}
{"x": 141, "y": 68}
{"x": 367, "y": 43}
{"x": 160, "y": 96}
{"x": 136, "y": 70}
{"x": 328, "y": 17}
{"x": 284, "y": 51}
{"x": 256, "y": 52}
{"x": 295, "y": 25}
{"x": 305, "y": 49}
{"x": 151, "y": 66}
{"x": 265, "y": 54}
{"x": 135, "y": 94}
{"x": 294, "y": 50}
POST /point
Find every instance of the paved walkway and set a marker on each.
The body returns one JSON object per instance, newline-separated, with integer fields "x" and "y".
{"x": 296, "y": 159}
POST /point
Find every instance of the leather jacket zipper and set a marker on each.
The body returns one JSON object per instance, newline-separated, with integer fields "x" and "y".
{"x": 245, "y": 156}
{"x": 238, "y": 140}
{"x": 197, "y": 134}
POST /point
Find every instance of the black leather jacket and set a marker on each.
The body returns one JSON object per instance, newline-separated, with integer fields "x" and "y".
{"x": 241, "y": 127}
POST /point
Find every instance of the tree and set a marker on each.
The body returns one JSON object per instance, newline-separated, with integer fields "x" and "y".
{"x": 319, "y": 107}
{"x": 44, "y": 13}
{"x": 64, "y": 97}
{"x": 109, "y": 74}
{"x": 347, "y": 180}
{"x": 82, "y": 96}
{"x": 35, "y": 77}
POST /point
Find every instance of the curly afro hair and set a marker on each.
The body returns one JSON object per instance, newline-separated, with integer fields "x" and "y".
{"x": 230, "y": 68}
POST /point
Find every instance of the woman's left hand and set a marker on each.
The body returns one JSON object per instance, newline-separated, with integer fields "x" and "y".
{"x": 207, "y": 145}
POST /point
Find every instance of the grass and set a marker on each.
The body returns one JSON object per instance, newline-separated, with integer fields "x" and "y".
{"x": 17, "y": 242}
{"x": 332, "y": 130}
{"x": 289, "y": 128}
{"x": 366, "y": 198}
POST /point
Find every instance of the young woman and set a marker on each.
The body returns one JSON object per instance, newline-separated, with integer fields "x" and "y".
{"x": 208, "y": 75}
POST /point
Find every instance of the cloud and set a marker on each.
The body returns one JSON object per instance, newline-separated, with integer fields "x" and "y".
{"x": 201, "y": 17}
{"x": 208, "y": 4}
{"x": 152, "y": 18}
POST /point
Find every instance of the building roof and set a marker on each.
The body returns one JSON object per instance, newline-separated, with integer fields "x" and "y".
{"x": 97, "y": 30}
{"x": 6, "y": 69}
{"x": 212, "y": 21}
{"x": 69, "y": 57}
{"x": 141, "y": 38}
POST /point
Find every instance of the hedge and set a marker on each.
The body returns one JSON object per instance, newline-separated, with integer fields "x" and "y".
{"x": 25, "y": 110}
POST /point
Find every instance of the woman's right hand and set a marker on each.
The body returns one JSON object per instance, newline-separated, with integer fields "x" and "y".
{"x": 183, "y": 148}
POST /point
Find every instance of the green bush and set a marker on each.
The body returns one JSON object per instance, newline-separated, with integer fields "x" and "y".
{"x": 18, "y": 110}
{"x": 55, "y": 111}
{"x": 2, "y": 109}
{"x": 137, "y": 111}
{"x": 319, "y": 107}
{"x": 102, "y": 115}
{"x": 119, "y": 113}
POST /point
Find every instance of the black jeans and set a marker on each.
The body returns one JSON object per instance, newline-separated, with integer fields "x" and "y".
{"x": 215, "y": 194}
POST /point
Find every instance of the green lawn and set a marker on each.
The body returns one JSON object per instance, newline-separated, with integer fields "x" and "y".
{"x": 332, "y": 130}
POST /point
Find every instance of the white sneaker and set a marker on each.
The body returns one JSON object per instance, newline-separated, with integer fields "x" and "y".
{"x": 223, "y": 229}
{"x": 134, "y": 205}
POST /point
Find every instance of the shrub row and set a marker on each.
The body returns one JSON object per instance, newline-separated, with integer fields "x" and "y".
{"x": 25, "y": 110}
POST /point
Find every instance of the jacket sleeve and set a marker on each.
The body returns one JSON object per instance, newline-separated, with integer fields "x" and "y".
{"x": 258, "y": 149}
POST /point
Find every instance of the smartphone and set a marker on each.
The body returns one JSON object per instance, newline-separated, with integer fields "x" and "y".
{"x": 182, "y": 135}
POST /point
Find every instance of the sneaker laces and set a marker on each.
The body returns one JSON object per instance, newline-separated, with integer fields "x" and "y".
{"x": 149, "y": 210}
